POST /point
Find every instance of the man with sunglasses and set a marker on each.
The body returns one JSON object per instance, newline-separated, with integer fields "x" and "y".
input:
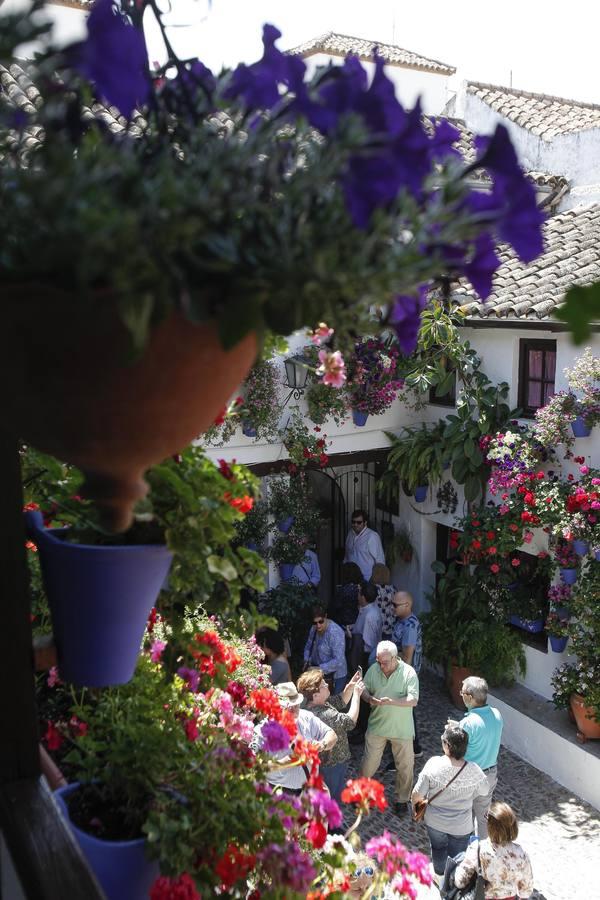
{"x": 326, "y": 649}
{"x": 363, "y": 545}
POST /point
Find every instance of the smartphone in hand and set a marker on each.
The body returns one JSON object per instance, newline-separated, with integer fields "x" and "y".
{"x": 359, "y": 670}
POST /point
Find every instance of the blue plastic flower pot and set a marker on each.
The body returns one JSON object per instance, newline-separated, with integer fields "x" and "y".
{"x": 248, "y": 429}
{"x": 569, "y": 576}
{"x": 421, "y": 493}
{"x": 251, "y": 545}
{"x": 286, "y": 570}
{"x": 100, "y": 599}
{"x": 580, "y": 429}
{"x": 359, "y": 417}
{"x": 581, "y": 548}
{"x": 597, "y": 554}
{"x": 121, "y": 867}
{"x": 533, "y": 626}
{"x": 558, "y": 644}
{"x": 286, "y": 524}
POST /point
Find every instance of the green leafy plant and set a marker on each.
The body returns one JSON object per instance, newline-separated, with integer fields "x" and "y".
{"x": 291, "y": 605}
{"x": 400, "y": 548}
{"x": 254, "y": 527}
{"x": 304, "y": 447}
{"x": 416, "y": 457}
{"x": 461, "y": 629}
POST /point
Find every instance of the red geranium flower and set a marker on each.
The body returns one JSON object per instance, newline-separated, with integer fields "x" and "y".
{"x": 366, "y": 792}
{"x": 225, "y": 470}
{"x": 182, "y": 888}
{"x": 53, "y": 737}
{"x": 234, "y": 865}
{"x": 316, "y": 833}
{"x": 495, "y": 568}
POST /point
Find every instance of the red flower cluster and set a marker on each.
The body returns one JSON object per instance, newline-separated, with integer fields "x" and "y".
{"x": 226, "y": 470}
{"x": 266, "y": 701}
{"x": 182, "y": 888}
{"x": 234, "y": 866}
{"x": 237, "y": 692}
{"x": 242, "y": 504}
{"x": 214, "y": 653}
{"x": 366, "y": 792}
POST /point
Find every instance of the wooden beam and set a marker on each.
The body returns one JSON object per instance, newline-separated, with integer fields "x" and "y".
{"x": 19, "y": 755}
{"x": 44, "y": 853}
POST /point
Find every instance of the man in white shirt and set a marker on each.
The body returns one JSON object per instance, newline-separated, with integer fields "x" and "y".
{"x": 363, "y": 545}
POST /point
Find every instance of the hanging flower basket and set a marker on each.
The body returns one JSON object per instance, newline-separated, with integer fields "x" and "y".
{"x": 121, "y": 867}
{"x": 248, "y": 430}
{"x": 579, "y": 428}
{"x": 77, "y": 395}
{"x": 558, "y": 644}
{"x": 100, "y": 598}
{"x": 421, "y": 493}
{"x": 569, "y": 576}
{"x": 581, "y": 548}
{"x": 359, "y": 417}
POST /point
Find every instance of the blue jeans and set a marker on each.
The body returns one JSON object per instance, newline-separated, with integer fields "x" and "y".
{"x": 444, "y": 845}
{"x": 335, "y": 779}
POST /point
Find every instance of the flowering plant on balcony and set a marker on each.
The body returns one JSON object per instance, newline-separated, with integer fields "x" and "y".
{"x": 553, "y": 421}
{"x": 305, "y": 447}
{"x": 373, "y": 381}
{"x": 557, "y": 625}
{"x": 584, "y": 378}
{"x": 565, "y": 555}
{"x": 228, "y": 194}
{"x": 323, "y": 399}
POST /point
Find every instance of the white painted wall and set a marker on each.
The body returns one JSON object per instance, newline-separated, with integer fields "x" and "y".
{"x": 409, "y": 83}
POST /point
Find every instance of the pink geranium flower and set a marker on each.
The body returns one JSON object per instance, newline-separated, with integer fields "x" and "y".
{"x": 332, "y": 368}
{"x": 157, "y": 650}
{"x": 321, "y": 334}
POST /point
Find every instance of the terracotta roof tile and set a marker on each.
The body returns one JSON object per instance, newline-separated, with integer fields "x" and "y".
{"x": 542, "y": 114}
{"x": 534, "y": 291}
{"x": 344, "y": 44}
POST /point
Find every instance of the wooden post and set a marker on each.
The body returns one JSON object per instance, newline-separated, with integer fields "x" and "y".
{"x": 19, "y": 755}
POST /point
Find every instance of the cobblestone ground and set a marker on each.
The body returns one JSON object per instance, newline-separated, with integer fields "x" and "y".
{"x": 560, "y": 832}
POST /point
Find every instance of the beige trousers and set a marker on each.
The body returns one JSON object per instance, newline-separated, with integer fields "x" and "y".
{"x": 402, "y": 751}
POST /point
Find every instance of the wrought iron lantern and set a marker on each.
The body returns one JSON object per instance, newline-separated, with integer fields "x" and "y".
{"x": 296, "y": 375}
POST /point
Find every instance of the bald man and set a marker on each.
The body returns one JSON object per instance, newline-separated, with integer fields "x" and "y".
{"x": 406, "y": 634}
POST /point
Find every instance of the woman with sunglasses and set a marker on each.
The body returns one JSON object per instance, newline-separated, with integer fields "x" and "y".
{"x": 505, "y": 866}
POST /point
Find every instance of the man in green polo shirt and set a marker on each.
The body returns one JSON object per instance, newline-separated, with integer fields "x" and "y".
{"x": 391, "y": 689}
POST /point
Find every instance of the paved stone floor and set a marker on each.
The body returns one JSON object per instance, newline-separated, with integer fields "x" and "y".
{"x": 560, "y": 831}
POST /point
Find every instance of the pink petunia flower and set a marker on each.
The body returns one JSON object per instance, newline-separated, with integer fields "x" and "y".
{"x": 332, "y": 368}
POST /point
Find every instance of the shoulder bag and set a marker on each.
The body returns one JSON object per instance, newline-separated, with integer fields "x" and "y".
{"x": 420, "y": 806}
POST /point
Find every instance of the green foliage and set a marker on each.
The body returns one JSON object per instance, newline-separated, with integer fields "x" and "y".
{"x": 580, "y": 310}
{"x": 400, "y": 548}
{"x": 291, "y": 605}
{"x": 254, "y": 527}
{"x": 461, "y": 629}
{"x": 416, "y": 458}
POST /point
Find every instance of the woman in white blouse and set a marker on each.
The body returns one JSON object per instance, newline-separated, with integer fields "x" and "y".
{"x": 504, "y": 864}
{"x": 449, "y": 815}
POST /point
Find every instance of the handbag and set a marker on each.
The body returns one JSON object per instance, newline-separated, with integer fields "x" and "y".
{"x": 474, "y": 890}
{"x": 419, "y": 807}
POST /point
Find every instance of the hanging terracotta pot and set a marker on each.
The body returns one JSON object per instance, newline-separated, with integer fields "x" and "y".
{"x": 72, "y": 390}
{"x": 100, "y": 598}
{"x": 587, "y": 726}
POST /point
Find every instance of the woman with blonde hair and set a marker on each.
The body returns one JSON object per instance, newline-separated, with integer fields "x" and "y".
{"x": 381, "y": 577}
{"x": 504, "y": 864}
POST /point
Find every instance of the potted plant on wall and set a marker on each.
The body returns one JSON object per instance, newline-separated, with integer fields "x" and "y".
{"x": 584, "y": 379}
{"x": 373, "y": 381}
{"x": 261, "y": 407}
{"x": 417, "y": 458}
{"x": 400, "y": 548}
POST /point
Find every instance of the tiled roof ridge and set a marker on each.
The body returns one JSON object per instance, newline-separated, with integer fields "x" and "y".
{"x": 534, "y": 95}
{"x": 319, "y": 41}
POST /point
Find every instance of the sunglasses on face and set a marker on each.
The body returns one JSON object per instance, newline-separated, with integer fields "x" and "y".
{"x": 357, "y": 521}
{"x": 318, "y": 621}
{"x": 365, "y": 870}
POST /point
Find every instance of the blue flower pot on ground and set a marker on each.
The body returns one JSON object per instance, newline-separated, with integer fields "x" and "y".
{"x": 558, "y": 644}
{"x": 100, "y": 599}
{"x": 248, "y": 429}
{"x": 569, "y": 576}
{"x": 286, "y": 570}
{"x": 121, "y": 867}
{"x": 580, "y": 429}
{"x": 581, "y": 547}
{"x": 421, "y": 493}
{"x": 359, "y": 417}
{"x": 533, "y": 626}
{"x": 286, "y": 524}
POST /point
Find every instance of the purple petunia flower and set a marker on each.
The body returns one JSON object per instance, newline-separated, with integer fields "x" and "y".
{"x": 274, "y": 737}
{"x": 191, "y": 678}
{"x": 324, "y": 807}
{"x": 482, "y": 266}
{"x": 405, "y": 317}
{"x": 258, "y": 85}
{"x": 288, "y": 865}
{"x": 113, "y": 57}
